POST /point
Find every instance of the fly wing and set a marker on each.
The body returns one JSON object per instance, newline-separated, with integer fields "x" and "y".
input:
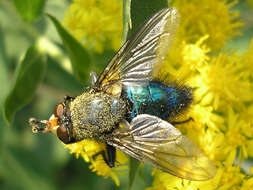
{"x": 155, "y": 141}
{"x": 134, "y": 62}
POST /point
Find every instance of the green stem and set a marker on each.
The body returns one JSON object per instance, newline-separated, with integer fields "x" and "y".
{"x": 133, "y": 163}
{"x": 126, "y": 19}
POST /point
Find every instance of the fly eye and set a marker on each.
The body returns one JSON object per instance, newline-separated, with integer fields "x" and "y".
{"x": 63, "y": 134}
{"x": 59, "y": 110}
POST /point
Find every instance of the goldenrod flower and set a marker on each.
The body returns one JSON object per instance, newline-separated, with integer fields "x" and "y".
{"x": 247, "y": 60}
{"x": 165, "y": 181}
{"x": 215, "y": 18}
{"x": 96, "y": 22}
{"x": 222, "y": 116}
{"x": 195, "y": 54}
{"x": 91, "y": 152}
{"x": 247, "y": 184}
{"x": 222, "y": 81}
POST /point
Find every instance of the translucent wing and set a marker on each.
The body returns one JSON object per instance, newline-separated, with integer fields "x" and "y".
{"x": 135, "y": 61}
{"x": 152, "y": 140}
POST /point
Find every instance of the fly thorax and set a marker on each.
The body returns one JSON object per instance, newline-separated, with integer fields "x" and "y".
{"x": 95, "y": 115}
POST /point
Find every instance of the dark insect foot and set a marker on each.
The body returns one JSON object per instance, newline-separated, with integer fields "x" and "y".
{"x": 111, "y": 152}
{"x": 181, "y": 122}
{"x": 110, "y": 157}
{"x": 110, "y": 164}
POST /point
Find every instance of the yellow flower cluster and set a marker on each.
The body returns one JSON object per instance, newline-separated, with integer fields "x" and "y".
{"x": 223, "y": 95}
{"x": 90, "y": 151}
{"x": 96, "y": 23}
{"x": 222, "y": 113}
{"x": 214, "y": 18}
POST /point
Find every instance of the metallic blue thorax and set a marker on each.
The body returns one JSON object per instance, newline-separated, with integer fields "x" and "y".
{"x": 154, "y": 99}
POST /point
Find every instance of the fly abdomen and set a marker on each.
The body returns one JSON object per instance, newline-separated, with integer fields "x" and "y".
{"x": 157, "y": 99}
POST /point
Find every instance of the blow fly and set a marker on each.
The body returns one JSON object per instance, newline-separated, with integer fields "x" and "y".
{"x": 126, "y": 108}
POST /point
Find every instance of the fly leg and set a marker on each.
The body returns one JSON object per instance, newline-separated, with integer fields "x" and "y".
{"x": 109, "y": 156}
{"x": 181, "y": 122}
{"x": 111, "y": 153}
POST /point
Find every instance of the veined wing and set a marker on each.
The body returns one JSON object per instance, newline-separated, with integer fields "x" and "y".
{"x": 152, "y": 140}
{"x": 135, "y": 61}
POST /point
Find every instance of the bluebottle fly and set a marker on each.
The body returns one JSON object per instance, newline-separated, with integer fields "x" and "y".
{"x": 126, "y": 108}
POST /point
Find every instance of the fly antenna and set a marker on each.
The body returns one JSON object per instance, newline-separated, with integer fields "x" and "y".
{"x": 38, "y": 125}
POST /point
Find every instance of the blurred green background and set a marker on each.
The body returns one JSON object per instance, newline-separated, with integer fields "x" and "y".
{"x": 29, "y": 161}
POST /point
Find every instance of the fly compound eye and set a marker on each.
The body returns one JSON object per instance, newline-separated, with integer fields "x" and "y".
{"x": 63, "y": 134}
{"x": 59, "y": 110}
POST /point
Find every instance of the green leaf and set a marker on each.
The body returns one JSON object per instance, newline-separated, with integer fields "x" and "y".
{"x": 79, "y": 57}
{"x": 29, "y": 10}
{"x": 28, "y": 178}
{"x": 5, "y": 85}
{"x": 133, "y": 167}
{"x": 59, "y": 78}
{"x": 28, "y": 75}
{"x": 3, "y": 68}
{"x": 142, "y": 10}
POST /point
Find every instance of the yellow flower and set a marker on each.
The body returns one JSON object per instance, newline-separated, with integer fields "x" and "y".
{"x": 165, "y": 181}
{"x": 249, "y": 146}
{"x": 222, "y": 116}
{"x": 247, "y": 60}
{"x": 222, "y": 82}
{"x": 96, "y": 22}
{"x": 195, "y": 54}
{"x": 233, "y": 129}
{"x": 237, "y": 132}
{"x": 204, "y": 137}
{"x": 91, "y": 152}
{"x": 247, "y": 184}
{"x": 205, "y": 116}
{"x": 214, "y": 18}
{"x": 228, "y": 177}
